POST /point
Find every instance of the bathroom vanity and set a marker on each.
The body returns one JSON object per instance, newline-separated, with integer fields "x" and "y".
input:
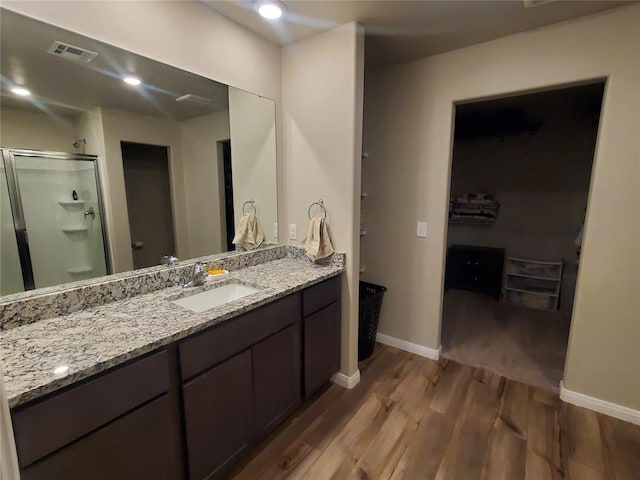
{"x": 178, "y": 394}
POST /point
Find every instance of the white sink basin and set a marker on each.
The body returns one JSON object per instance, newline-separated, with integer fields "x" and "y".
{"x": 215, "y": 297}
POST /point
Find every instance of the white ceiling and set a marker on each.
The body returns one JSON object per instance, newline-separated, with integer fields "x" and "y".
{"x": 398, "y": 31}
{"x": 65, "y": 87}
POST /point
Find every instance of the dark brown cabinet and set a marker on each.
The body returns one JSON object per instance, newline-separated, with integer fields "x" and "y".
{"x": 193, "y": 408}
{"x": 239, "y": 400}
{"x": 218, "y": 413}
{"x": 477, "y": 269}
{"x": 137, "y": 446}
{"x": 122, "y": 424}
{"x": 276, "y": 378}
{"x": 321, "y": 334}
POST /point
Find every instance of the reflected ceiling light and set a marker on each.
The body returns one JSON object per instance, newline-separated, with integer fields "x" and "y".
{"x": 270, "y": 9}
{"x": 61, "y": 370}
{"x": 23, "y": 92}
{"x": 131, "y": 80}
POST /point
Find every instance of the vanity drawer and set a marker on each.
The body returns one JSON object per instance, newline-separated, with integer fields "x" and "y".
{"x": 139, "y": 445}
{"x": 319, "y": 296}
{"x": 48, "y": 425}
{"x": 225, "y": 340}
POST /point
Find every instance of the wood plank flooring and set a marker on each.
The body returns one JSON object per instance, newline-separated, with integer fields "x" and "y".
{"x": 413, "y": 418}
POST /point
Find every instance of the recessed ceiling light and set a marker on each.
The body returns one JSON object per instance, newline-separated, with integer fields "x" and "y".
{"x": 131, "y": 80}
{"x": 270, "y": 9}
{"x": 23, "y": 92}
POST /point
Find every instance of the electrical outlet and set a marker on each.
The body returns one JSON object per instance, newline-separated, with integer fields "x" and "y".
{"x": 293, "y": 232}
{"x": 421, "y": 230}
{"x": 275, "y": 229}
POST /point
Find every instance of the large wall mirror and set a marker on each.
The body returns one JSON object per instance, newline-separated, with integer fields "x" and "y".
{"x": 102, "y": 176}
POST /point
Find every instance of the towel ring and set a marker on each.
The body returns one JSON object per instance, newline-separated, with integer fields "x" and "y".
{"x": 251, "y": 203}
{"x": 319, "y": 203}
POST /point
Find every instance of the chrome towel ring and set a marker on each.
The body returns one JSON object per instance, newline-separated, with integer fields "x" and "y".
{"x": 319, "y": 203}
{"x": 251, "y": 203}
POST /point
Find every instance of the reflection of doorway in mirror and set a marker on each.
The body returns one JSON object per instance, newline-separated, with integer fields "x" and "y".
{"x": 148, "y": 191}
{"x": 227, "y": 187}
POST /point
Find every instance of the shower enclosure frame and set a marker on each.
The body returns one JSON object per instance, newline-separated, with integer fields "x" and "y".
{"x": 17, "y": 211}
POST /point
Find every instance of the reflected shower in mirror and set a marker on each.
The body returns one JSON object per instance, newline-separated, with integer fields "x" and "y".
{"x": 172, "y": 156}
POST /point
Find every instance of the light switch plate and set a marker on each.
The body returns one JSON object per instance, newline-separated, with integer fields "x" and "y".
{"x": 275, "y": 229}
{"x": 293, "y": 232}
{"x": 421, "y": 230}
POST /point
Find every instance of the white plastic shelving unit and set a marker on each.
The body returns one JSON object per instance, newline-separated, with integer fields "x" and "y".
{"x": 533, "y": 283}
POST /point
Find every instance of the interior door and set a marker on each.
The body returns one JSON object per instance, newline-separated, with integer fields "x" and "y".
{"x": 148, "y": 187}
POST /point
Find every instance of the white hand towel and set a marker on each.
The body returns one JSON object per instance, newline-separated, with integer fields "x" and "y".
{"x": 317, "y": 243}
{"x": 249, "y": 234}
{"x": 326, "y": 248}
{"x": 311, "y": 242}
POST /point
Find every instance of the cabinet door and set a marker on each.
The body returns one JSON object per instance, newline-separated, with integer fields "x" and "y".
{"x": 276, "y": 378}
{"x": 321, "y": 347}
{"x": 456, "y": 270}
{"x": 138, "y": 445}
{"x": 218, "y": 411}
{"x": 489, "y": 272}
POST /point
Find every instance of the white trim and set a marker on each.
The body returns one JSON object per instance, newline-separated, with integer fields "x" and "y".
{"x": 427, "y": 352}
{"x": 601, "y": 406}
{"x": 345, "y": 381}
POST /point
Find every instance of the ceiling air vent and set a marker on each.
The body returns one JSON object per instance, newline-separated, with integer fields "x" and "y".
{"x": 191, "y": 99}
{"x": 69, "y": 51}
{"x": 536, "y": 3}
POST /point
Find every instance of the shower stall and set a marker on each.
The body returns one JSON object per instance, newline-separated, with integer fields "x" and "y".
{"x": 51, "y": 214}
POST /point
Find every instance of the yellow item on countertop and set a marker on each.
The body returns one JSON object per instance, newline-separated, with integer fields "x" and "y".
{"x": 216, "y": 272}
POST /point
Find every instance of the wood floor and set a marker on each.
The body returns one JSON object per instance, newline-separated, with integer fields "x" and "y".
{"x": 414, "y": 418}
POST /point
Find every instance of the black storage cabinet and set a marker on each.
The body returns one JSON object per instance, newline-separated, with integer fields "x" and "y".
{"x": 477, "y": 269}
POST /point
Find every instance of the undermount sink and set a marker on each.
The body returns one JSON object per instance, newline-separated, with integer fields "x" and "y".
{"x": 215, "y": 297}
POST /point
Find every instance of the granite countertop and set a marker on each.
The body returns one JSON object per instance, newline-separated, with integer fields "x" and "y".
{"x": 42, "y": 357}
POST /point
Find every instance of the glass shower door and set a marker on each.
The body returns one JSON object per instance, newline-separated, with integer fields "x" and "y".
{"x": 11, "y": 280}
{"x": 57, "y": 203}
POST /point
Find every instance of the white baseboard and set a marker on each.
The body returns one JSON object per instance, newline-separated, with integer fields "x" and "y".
{"x": 346, "y": 381}
{"x": 601, "y": 406}
{"x": 427, "y": 352}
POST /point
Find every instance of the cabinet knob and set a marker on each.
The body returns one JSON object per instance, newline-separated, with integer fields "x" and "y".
{"x": 468, "y": 262}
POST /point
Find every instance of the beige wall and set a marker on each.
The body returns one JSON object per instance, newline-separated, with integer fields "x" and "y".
{"x": 253, "y": 158}
{"x": 204, "y": 204}
{"x": 408, "y": 134}
{"x": 322, "y": 105}
{"x": 20, "y": 128}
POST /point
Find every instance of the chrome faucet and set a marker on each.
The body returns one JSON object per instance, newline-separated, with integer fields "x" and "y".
{"x": 199, "y": 275}
{"x": 169, "y": 260}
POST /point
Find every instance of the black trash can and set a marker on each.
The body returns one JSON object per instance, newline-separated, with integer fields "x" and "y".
{"x": 369, "y": 313}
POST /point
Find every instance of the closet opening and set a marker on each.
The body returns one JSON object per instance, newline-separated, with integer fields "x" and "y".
{"x": 520, "y": 180}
